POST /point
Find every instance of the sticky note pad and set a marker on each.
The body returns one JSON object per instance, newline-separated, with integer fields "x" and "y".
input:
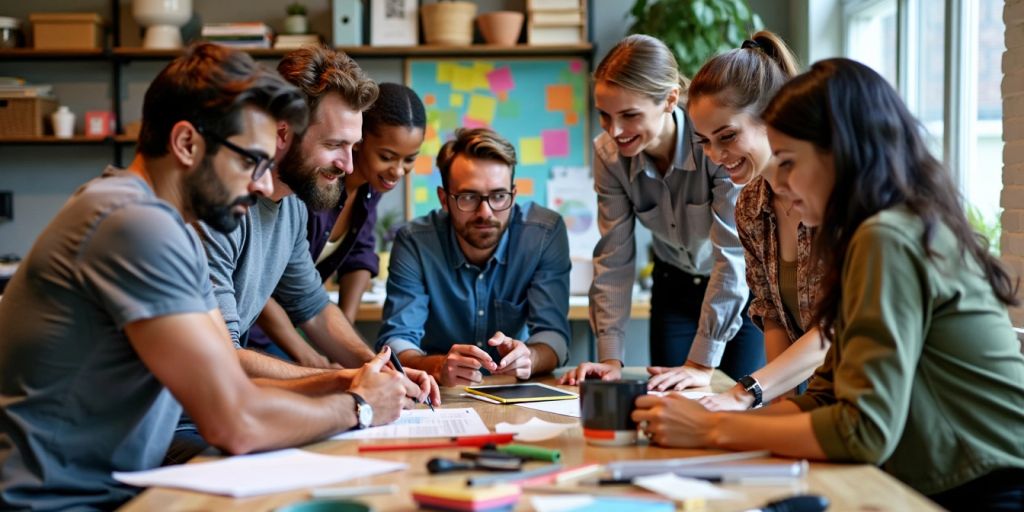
{"x": 455, "y": 100}
{"x": 463, "y": 79}
{"x": 462, "y": 498}
{"x": 576, "y": 65}
{"x": 429, "y": 99}
{"x": 501, "y": 80}
{"x": 421, "y": 194}
{"x": 482, "y": 108}
{"x": 423, "y": 165}
{"x": 508, "y": 109}
{"x": 445, "y": 72}
{"x": 571, "y": 118}
{"x": 558, "y": 97}
{"x": 555, "y": 142}
{"x": 531, "y": 151}
{"x": 469, "y": 122}
{"x": 480, "y": 72}
{"x": 524, "y": 186}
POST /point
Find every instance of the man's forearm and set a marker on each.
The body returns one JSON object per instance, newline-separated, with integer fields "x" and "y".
{"x": 542, "y": 358}
{"x": 257, "y": 365}
{"x": 351, "y": 286}
{"x": 430, "y": 364}
{"x": 321, "y": 384}
{"x": 332, "y": 333}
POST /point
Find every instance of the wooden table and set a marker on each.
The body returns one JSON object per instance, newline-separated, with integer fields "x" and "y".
{"x": 578, "y": 310}
{"x": 849, "y": 487}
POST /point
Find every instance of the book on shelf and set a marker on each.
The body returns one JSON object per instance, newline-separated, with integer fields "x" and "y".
{"x": 236, "y": 29}
{"x": 26, "y": 91}
{"x": 555, "y": 34}
{"x": 293, "y": 41}
{"x": 570, "y": 17}
{"x": 553, "y": 5}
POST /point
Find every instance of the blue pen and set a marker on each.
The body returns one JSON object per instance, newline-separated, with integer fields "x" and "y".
{"x": 398, "y": 366}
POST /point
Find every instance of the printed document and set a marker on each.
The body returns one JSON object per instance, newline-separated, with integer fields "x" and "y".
{"x": 425, "y": 423}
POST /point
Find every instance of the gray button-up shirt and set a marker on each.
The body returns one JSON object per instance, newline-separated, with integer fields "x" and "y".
{"x": 690, "y": 211}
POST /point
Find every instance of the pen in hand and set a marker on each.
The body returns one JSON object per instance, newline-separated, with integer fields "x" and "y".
{"x": 398, "y": 367}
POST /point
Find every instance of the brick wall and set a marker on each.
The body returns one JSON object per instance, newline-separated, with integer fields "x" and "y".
{"x": 1012, "y": 199}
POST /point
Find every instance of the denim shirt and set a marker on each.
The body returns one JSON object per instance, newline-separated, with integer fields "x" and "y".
{"x": 436, "y": 299}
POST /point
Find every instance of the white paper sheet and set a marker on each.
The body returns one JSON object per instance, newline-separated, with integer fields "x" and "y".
{"x": 563, "y": 407}
{"x": 425, "y": 423}
{"x": 534, "y": 430}
{"x": 264, "y": 473}
{"x": 678, "y": 488}
{"x": 692, "y": 395}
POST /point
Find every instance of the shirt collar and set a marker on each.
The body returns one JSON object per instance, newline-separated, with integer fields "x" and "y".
{"x": 682, "y": 157}
{"x": 500, "y": 255}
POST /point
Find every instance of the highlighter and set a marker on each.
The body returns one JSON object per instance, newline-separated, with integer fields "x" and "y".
{"x": 530, "y": 452}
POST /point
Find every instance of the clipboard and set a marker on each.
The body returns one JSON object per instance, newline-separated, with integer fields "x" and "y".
{"x": 520, "y": 393}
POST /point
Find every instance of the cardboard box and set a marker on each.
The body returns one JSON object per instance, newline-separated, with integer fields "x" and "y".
{"x": 67, "y": 31}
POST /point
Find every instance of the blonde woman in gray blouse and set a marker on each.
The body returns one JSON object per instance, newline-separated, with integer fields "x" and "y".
{"x": 647, "y": 166}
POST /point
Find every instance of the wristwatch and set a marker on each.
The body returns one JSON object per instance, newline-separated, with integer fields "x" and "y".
{"x": 364, "y": 412}
{"x": 752, "y": 386}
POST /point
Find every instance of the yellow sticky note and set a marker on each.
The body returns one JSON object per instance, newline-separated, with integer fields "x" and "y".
{"x": 445, "y": 72}
{"x": 421, "y": 194}
{"x": 431, "y": 147}
{"x": 481, "y": 108}
{"x": 531, "y": 151}
{"x": 456, "y": 99}
{"x": 480, "y": 70}
{"x": 463, "y": 79}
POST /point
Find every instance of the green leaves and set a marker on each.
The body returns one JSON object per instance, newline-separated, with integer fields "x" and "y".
{"x": 695, "y": 30}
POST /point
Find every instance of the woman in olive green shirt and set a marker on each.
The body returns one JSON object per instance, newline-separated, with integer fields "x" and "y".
{"x": 924, "y": 376}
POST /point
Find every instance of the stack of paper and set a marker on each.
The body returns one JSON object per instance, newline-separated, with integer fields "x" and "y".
{"x": 425, "y": 423}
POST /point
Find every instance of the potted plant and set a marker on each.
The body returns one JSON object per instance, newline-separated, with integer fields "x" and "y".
{"x": 296, "y": 22}
{"x": 448, "y": 23}
{"x": 695, "y": 30}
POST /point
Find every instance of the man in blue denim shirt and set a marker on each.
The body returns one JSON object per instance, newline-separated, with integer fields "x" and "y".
{"x": 481, "y": 284}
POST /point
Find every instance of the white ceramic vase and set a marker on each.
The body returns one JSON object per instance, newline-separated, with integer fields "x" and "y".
{"x": 163, "y": 20}
{"x": 296, "y": 24}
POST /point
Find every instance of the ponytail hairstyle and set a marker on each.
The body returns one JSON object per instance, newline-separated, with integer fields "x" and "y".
{"x": 644, "y": 65}
{"x": 881, "y": 161}
{"x": 746, "y": 78}
{"x": 396, "y": 105}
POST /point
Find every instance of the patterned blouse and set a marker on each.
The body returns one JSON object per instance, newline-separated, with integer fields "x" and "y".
{"x": 757, "y": 226}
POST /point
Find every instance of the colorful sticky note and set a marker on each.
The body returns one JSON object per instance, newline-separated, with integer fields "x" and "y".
{"x": 501, "y": 80}
{"x": 508, "y": 109}
{"x": 429, "y": 99}
{"x": 421, "y": 195}
{"x": 556, "y": 143}
{"x": 482, "y": 108}
{"x": 431, "y": 132}
{"x": 531, "y": 151}
{"x": 423, "y": 165}
{"x": 433, "y": 115}
{"x": 431, "y": 147}
{"x": 576, "y": 65}
{"x": 480, "y": 71}
{"x": 468, "y": 122}
{"x": 463, "y": 79}
{"x": 445, "y": 72}
{"x": 559, "y": 98}
{"x": 571, "y": 118}
{"x": 524, "y": 186}
{"x": 455, "y": 100}
{"x": 448, "y": 120}
{"x": 502, "y": 96}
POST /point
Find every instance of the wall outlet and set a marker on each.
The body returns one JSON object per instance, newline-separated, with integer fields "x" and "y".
{"x": 6, "y": 205}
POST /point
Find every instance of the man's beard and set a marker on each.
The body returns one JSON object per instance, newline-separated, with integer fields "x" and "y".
{"x": 481, "y": 240}
{"x": 211, "y": 201}
{"x": 302, "y": 179}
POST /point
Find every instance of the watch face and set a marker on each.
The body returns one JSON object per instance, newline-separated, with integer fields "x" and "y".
{"x": 365, "y": 415}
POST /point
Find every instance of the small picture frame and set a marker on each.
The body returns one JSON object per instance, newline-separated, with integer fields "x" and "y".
{"x": 394, "y": 23}
{"x": 99, "y": 123}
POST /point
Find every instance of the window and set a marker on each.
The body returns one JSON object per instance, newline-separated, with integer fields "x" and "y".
{"x": 945, "y": 59}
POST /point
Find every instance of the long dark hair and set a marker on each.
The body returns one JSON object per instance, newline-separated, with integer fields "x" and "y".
{"x": 881, "y": 161}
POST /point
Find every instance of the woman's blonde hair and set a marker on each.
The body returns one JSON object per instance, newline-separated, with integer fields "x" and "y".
{"x": 644, "y": 65}
{"x": 746, "y": 78}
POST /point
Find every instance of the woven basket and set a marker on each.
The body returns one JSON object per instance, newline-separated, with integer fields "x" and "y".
{"x": 448, "y": 23}
{"x": 25, "y": 117}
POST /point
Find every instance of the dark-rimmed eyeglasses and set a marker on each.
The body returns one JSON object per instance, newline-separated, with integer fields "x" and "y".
{"x": 470, "y": 201}
{"x": 261, "y": 163}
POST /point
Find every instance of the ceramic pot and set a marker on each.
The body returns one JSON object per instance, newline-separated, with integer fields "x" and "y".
{"x": 448, "y": 23}
{"x": 501, "y": 28}
{"x": 296, "y": 24}
{"x": 163, "y": 20}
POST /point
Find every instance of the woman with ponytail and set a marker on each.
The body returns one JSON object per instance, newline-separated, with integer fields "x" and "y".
{"x": 726, "y": 98}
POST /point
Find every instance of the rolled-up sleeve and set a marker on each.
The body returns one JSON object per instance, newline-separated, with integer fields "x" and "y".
{"x": 548, "y": 295}
{"x": 720, "y": 314}
{"x": 614, "y": 262}
{"x": 407, "y": 304}
{"x": 222, "y": 250}
{"x": 363, "y": 255}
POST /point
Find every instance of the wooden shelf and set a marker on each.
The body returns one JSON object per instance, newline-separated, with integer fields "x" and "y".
{"x": 33, "y": 54}
{"x": 51, "y": 140}
{"x": 390, "y": 52}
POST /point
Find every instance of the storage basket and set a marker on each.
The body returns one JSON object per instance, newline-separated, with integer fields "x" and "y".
{"x": 25, "y": 117}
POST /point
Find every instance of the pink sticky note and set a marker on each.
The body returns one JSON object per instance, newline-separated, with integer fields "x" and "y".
{"x": 471, "y": 123}
{"x": 556, "y": 142}
{"x": 576, "y": 66}
{"x": 501, "y": 80}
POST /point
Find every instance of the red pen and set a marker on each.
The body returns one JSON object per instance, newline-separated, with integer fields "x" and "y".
{"x": 453, "y": 442}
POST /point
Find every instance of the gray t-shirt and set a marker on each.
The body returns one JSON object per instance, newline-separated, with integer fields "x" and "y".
{"x": 268, "y": 255}
{"x": 76, "y": 402}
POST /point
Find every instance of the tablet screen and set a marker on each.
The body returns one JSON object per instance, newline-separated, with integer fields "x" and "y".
{"x": 522, "y": 392}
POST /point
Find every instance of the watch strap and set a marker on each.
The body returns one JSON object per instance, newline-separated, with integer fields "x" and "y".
{"x": 360, "y": 403}
{"x": 752, "y": 386}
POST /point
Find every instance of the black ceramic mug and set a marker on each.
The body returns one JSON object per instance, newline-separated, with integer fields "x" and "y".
{"x": 605, "y": 408}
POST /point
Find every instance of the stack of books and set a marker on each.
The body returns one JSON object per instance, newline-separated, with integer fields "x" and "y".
{"x": 14, "y": 87}
{"x": 552, "y": 22}
{"x": 239, "y": 35}
{"x": 293, "y": 41}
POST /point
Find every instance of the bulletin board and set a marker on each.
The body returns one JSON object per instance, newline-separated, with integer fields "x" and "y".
{"x": 540, "y": 105}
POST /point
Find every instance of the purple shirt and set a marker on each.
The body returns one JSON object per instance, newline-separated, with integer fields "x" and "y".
{"x": 358, "y": 248}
